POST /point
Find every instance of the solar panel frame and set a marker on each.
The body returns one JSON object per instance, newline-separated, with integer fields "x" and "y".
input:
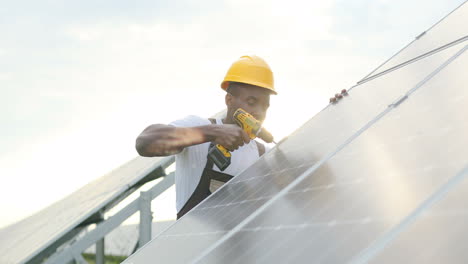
{"x": 39, "y": 235}
{"x": 222, "y": 203}
{"x": 208, "y": 219}
{"x": 247, "y": 231}
{"x": 413, "y": 51}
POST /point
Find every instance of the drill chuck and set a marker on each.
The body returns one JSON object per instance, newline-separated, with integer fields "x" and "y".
{"x": 221, "y": 156}
{"x": 265, "y": 135}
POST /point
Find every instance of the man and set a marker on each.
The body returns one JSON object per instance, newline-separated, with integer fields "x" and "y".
{"x": 249, "y": 84}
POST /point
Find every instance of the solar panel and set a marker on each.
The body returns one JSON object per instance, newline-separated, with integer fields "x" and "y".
{"x": 369, "y": 188}
{"x": 24, "y": 241}
{"x": 439, "y": 235}
{"x": 447, "y": 32}
{"x": 248, "y": 219}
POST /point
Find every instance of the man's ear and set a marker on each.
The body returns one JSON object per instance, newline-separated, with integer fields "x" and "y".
{"x": 228, "y": 99}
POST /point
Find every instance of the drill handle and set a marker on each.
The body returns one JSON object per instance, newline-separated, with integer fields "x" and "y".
{"x": 220, "y": 156}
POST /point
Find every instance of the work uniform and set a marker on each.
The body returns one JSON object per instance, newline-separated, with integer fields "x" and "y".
{"x": 196, "y": 176}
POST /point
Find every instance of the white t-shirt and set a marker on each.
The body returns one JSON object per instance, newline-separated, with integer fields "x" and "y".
{"x": 191, "y": 161}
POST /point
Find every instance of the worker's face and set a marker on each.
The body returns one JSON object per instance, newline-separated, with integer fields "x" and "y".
{"x": 255, "y": 100}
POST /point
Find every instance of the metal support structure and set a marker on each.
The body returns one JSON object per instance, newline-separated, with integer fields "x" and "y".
{"x": 64, "y": 239}
{"x": 100, "y": 251}
{"x": 53, "y": 247}
{"x": 146, "y": 218}
{"x": 79, "y": 259}
{"x": 108, "y": 225}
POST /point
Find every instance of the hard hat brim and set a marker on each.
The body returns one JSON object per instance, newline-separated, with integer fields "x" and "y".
{"x": 225, "y": 85}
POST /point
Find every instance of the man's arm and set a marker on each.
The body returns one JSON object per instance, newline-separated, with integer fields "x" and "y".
{"x": 165, "y": 140}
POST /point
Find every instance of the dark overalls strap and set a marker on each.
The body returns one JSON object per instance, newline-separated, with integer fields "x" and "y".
{"x": 208, "y": 178}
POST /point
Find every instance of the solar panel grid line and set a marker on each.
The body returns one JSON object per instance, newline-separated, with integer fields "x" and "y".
{"x": 233, "y": 248}
{"x": 451, "y": 93}
{"x": 352, "y": 223}
{"x": 237, "y": 203}
{"x": 241, "y": 202}
{"x": 233, "y": 202}
{"x": 227, "y": 220}
{"x": 195, "y": 234}
{"x": 318, "y": 260}
{"x": 200, "y": 220}
{"x": 239, "y": 227}
{"x": 285, "y": 234}
{"x": 260, "y": 190}
{"x": 292, "y": 261}
{"x": 305, "y": 225}
{"x": 314, "y": 224}
{"x": 412, "y": 41}
{"x": 422, "y": 56}
{"x": 324, "y": 224}
{"x": 221, "y": 203}
{"x": 278, "y": 168}
{"x": 289, "y": 187}
{"x": 286, "y": 171}
{"x": 314, "y": 198}
{"x": 373, "y": 249}
{"x": 244, "y": 200}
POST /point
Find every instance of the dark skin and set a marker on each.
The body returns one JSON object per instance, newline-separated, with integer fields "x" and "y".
{"x": 165, "y": 140}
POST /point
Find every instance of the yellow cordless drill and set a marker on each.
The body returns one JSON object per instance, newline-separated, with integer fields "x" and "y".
{"x": 221, "y": 156}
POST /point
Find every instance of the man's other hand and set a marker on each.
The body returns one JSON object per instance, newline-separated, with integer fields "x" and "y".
{"x": 338, "y": 96}
{"x": 231, "y": 136}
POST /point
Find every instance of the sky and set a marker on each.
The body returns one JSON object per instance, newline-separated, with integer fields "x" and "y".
{"x": 79, "y": 80}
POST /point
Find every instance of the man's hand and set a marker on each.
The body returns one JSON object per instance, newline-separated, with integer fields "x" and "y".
{"x": 164, "y": 140}
{"x": 230, "y": 136}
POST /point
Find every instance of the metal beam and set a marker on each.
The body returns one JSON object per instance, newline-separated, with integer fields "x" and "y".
{"x": 146, "y": 218}
{"x": 100, "y": 251}
{"x": 108, "y": 225}
{"x": 55, "y": 244}
{"x": 79, "y": 259}
{"x": 44, "y": 254}
{"x": 155, "y": 174}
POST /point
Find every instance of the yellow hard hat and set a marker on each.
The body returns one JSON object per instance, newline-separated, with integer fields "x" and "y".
{"x": 251, "y": 70}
